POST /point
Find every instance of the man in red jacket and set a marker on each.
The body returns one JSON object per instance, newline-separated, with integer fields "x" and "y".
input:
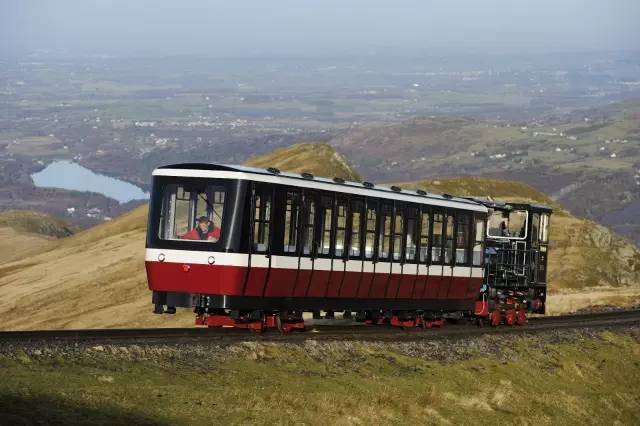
{"x": 205, "y": 231}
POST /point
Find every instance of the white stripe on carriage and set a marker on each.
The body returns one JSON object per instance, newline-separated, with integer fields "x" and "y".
{"x": 291, "y": 262}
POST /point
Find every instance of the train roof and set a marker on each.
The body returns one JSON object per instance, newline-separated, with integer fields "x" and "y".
{"x": 307, "y": 180}
{"x": 512, "y": 206}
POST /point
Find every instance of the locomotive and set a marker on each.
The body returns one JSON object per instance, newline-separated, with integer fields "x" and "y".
{"x": 255, "y": 248}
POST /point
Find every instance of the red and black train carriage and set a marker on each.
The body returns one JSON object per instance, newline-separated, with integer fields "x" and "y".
{"x": 257, "y": 248}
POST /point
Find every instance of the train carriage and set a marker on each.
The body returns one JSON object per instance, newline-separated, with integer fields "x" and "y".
{"x": 255, "y": 248}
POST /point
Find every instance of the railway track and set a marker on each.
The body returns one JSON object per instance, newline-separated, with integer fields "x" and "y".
{"x": 316, "y": 332}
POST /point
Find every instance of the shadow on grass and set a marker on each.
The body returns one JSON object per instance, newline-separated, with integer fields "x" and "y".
{"x": 45, "y": 410}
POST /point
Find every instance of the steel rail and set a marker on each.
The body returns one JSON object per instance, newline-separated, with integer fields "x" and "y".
{"x": 318, "y": 332}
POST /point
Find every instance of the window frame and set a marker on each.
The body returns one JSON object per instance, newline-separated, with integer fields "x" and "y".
{"x": 308, "y": 198}
{"x": 381, "y": 230}
{"x": 282, "y": 233}
{"x": 432, "y": 236}
{"x": 321, "y": 228}
{"x": 411, "y": 212}
{"x": 266, "y": 192}
{"x": 371, "y": 204}
{"x": 482, "y": 241}
{"x": 361, "y": 225}
{"x": 468, "y": 236}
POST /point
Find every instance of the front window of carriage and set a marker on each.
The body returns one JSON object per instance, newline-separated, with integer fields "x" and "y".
{"x": 192, "y": 212}
{"x": 507, "y": 224}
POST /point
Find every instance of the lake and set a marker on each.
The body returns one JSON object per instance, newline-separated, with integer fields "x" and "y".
{"x": 69, "y": 175}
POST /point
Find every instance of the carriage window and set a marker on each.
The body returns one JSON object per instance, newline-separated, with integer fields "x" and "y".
{"x": 370, "y": 233}
{"x": 436, "y": 250}
{"x": 462, "y": 239}
{"x": 341, "y": 226}
{"x": 309, "y": 222}
{"x": 397, "y": 235}
{"x": 385, "y": 233}
{"x": 478, "y": 243}
{"x": 290, "y": 242}
{"x": 508, "y": 224}
{"x": 356, "y": 240}
{"x": 261, "y": 223}
{"x": 424, "y": 236}
{"x": 325, "y": 226}
{"x": 544, "y": 228}
{"x": 410, "y": 240}
{"x": 192, "y": 213}
{"x": 535, "y": 227}
{"x": 448, "y": 249}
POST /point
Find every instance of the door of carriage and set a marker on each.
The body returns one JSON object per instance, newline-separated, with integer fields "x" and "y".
{"x": 261, "y": 235}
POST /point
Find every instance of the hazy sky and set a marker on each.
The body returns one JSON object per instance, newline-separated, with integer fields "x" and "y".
{"x": 240, "y": 27}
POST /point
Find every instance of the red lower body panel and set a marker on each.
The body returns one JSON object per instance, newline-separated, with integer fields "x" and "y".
{"x": 260, "y": 282}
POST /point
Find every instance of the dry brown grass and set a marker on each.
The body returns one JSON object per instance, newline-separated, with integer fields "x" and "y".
{"x": 93, "y": 279}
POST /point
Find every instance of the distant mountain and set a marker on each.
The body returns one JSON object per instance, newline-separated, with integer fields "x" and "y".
{"x": 589, "y": 164}
{"x": 96, "y": 278}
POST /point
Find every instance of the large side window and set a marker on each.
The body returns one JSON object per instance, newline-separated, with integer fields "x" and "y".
{"x": 398, "y": 229}
{"x": 309, "y": 224}
{"x": 411, "y": 225}
{"x": 355, "y": 240}
{"x": 370, "y": 232}
{"x": 261, "y": 222}
{"x": 425, "y": 229}
{"x": 438, "y": 231}
{"x": 291, "y": 219}
{"x": 326, "y": 212}
{"x": 384, "y": 242}
{"x": 462, "y": 239}
{"x": 341, "y": 228}
{"x": 478, "y": 244}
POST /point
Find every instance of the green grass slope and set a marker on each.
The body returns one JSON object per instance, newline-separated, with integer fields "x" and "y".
{"x": 540, "y": 379}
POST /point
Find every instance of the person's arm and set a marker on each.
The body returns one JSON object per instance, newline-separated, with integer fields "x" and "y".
{"x": 189, "y": 235}
{"x": 214, "y": 234}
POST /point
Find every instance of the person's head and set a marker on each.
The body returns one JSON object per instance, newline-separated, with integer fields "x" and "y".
{"x": 203, "y": 223}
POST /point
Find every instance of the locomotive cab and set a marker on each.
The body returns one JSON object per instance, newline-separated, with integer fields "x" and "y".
{"x": 516, "y": 252}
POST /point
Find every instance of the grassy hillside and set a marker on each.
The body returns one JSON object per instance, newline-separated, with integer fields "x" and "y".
{"x": 318, "y": 159}
{"x": 95, "y": 278}
{"x": 25, "y": 232}
{"x": 561, "y": 378}
{"x": 36, "y": 223}
{"x": 469, "y": 186}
